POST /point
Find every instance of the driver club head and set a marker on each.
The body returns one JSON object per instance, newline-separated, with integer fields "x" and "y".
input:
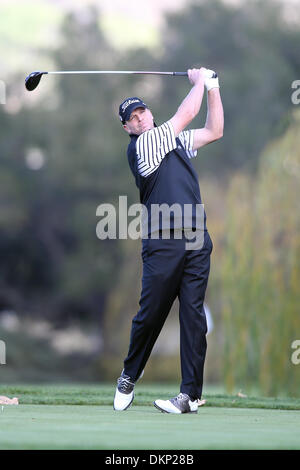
{"x": 32, "y": 81}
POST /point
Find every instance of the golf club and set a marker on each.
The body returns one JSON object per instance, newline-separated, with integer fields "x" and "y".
{"x": 32, "y": 81}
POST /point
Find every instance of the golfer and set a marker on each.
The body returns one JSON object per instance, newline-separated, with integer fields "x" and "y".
{"x": 173, "y": 266}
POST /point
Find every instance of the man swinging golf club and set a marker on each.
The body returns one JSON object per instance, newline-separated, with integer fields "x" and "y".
{"x": 160, "y": 160}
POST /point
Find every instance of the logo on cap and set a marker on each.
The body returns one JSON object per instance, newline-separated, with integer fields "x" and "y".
{"x": 127, "y": 103}
{"x": 128, "y": 106}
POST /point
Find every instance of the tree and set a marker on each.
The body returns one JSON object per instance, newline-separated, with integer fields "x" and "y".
{"x": 260, "y": 271}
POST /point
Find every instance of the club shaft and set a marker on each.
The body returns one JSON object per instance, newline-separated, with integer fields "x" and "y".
{"x": 129, "y": 72}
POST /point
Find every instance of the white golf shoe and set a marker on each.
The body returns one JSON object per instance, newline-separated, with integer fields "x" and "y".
{"x": 124, "y": 394}
{"x": 180, "y": 404}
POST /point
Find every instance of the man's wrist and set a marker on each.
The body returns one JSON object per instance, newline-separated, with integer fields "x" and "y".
{"x": 213, "y": 89}
{"x": 200, "y": 83}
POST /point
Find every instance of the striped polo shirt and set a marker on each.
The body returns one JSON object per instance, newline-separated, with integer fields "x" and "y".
{"x": 153, "y": 145}
{"x": 165, "y": 176}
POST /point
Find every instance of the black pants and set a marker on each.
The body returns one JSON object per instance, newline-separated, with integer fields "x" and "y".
{"x": 170, "y": 270}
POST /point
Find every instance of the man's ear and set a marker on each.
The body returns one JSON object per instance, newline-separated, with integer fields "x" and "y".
{"x": 126, "y": 128}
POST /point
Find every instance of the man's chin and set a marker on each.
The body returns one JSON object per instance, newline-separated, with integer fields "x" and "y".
{"x": 145, "y": 129}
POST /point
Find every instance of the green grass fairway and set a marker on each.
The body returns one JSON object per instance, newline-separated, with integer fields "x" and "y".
{"x": 83, "y": 424}
{"x": 143, "y": 427}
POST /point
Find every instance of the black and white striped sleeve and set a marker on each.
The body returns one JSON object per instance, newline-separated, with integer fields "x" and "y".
{"x": 152, "y": 146}
{"x": 187, "y": 141}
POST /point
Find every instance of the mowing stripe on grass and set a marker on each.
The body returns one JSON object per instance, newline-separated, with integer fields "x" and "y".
{"x": 145, "y": 394}
{"x": 143, "y": 427}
